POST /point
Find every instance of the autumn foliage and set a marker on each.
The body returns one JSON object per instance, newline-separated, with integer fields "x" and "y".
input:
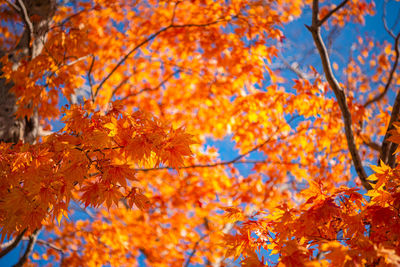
{"x": 114, "y": 118}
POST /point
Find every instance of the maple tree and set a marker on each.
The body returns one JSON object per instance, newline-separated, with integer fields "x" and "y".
{"x": 108, "y": 110}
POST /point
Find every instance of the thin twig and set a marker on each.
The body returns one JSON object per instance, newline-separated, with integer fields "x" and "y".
{"x": 154, "y": 88}
{"x": 11, "y": 245}
{"x": 293, "y": 67}
{"x": 50, "y": 245}
{"x": 225, "y": 229}
{"x": 235, "y": 160}
{"x": 212, "y": 165}
{"x": 389, "y": 31}
{"x": 77, "y": 207}
{"x": 74, "y": 61}
{"x": 396, "y": 21}
{"x": 90, "y": 77}
{"x": 124, "y": 58}
{"x": 194, "y": 250}
{"x": 391, "y": 74}
{"x": 124, "y": 81}
{"x": 148, "y": 39}
{"x": 29, "y": 248}
{"x": 47, "y": 244}
{"x": 322, "y": 21}
{"x": 173, "y": 12}
{"x": 315, "y": 30}
{"x": 14, "y": 6}
{"x": 222, "y": 163}
{"x": 62, "y": 23}
{"x": 62, "y": 65}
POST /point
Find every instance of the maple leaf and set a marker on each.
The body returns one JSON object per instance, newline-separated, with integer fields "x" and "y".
{"x": 178, "y": 146}
{"x": 233, "y": 214}
{"x": 140, "y": 200}
{"x": 252, "y": 260}
{"x": 336, "y": 252}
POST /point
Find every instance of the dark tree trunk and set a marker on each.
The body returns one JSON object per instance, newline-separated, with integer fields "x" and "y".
{"x": 30, "y": 45}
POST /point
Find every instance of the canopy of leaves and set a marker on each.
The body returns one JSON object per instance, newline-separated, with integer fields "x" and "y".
{"x": 129, "y": 96}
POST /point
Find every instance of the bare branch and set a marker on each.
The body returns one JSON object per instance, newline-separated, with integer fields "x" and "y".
{"x": 396, "y": 20}
{"x": 391, "y": 74}
{"x": 222, "y": 163}
{"x": 87, "y": 212}
{"x": 89, "y": 74}
{"x": 174, "y": 11}
{"x": 50, "y": 245}
{"x": 235, "y": 160}
{"x": 148, "y": 39}
{"x": 62, "y": 23}
{"x": 124, "y": 58}
{"x": 322, "y": 21}
{"x": 194, "y": 250}
{"x": 389, "y": 31}
{"x": 373, "y": 145}
{"x": 42, "y": 132}
{"x": 152, "y": 89}
{"x": 225, "y": 229}
{"x": 294, "y": 67}
{"x": 74, "y": 61}
{"x": 29, "y": 248}
{"x": 28, "y": 24}
{"x": 11, "y": 244}
{"x": 124, "y": 81}
{"x": 388, "y": 147}
{"x": 315, "y": 30}
{"x": 14, "y": 6}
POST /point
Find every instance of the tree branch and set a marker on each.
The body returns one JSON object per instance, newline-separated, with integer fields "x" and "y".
{"x": 11, "y": 244}
{"x": 293, "y": 67}
{"x": 174, "y": 11}
{"x": 148, "y": 39}
{"x": 89, "y": 75}
{"x": 222, "y": 163}
{"x": 124, "y": 58}
{"x": 322, "y": 21}
{"x": 225, "y": 229}
{"x": 372, "y": 145}
{"x": 235, "y": 160}
{"x": 315, "y": 30}
{"x": 149, "y": 88}
{"x": 194, "y": 250}
{"x": 28, "y": 24}
{"x": 388, "y": 147}
{"x": 124, "y": 81}
{"x": 29, "y": 248}
{"x": 50, "y": 245}
{"x": 62, "y": 23}
{"x": 391, "y": 74}
{"x": 389, "y": 31}
{"x": 14, "y": 6}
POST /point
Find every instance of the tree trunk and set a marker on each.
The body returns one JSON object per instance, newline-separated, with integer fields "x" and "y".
{"x": 37, "y": 16}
